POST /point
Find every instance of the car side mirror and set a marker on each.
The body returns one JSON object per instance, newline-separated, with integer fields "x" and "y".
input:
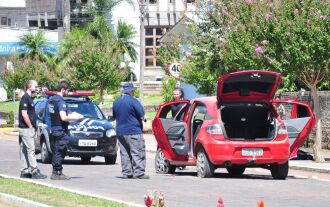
{"x": 111, "y": 118}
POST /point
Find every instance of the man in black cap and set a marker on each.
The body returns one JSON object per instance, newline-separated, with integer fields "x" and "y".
{"x": 129, "y": 114}
{"x": 27, "y": 131}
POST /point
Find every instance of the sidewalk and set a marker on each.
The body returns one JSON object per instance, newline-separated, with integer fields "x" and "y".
{"x": 306, "y": 165}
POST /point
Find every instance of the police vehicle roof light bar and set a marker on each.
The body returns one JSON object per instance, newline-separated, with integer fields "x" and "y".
{"x": 73, "y": 94}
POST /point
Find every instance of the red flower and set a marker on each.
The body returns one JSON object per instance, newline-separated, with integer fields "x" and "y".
{"x": 220, "y": 201}
{"x": 148, "y": 201}
{"x": 261, "y": 203}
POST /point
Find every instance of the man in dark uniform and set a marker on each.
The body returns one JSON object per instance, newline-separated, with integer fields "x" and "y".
{"x": 59, "y": 127}
{"x": 27, "y": 132}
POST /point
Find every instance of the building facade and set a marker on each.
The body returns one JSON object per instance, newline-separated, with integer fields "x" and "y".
{"x": 159, "y": 17}
{"x": 12, "y": 13}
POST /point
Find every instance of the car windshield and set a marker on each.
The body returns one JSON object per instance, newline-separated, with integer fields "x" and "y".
{"x": 87, "y": 109}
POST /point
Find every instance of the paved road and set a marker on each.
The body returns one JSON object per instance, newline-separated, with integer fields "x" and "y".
{"x": 184, "y": 188}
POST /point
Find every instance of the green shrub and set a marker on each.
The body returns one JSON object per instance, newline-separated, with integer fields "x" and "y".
{"x": 168, "y": 87}
{"x": 10, "y": 117}
{"x": 116, "y": 95}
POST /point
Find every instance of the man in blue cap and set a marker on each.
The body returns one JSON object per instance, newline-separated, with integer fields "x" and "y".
{"x": 129, "y": 114}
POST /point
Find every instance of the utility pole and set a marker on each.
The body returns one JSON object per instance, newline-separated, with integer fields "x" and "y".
{"x": 66, "y": 15}
{"x": 142, "y": 7}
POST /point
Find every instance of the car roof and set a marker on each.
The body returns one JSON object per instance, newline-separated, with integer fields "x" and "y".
{"x": 70, "y": 99}
{"x": 207, "y": 99}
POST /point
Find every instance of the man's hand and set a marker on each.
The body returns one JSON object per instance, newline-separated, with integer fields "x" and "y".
{"x": 71, "y": 117}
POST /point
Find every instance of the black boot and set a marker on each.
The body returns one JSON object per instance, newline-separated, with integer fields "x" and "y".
{"x": 58, "y": 175}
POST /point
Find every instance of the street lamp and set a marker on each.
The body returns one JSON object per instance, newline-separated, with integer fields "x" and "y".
{"x": 142, "y": 7}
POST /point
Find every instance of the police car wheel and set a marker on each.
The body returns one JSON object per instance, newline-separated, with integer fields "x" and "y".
{"x": 86, "y": 159}
{"x": 45, "y": 154}
{"x": 110, "y": 159}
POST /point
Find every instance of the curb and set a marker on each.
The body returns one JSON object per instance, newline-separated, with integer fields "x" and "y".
{"x": 18, "y": 201}
{"x": 310, "y": 169}
{"x": 130, "y": 204}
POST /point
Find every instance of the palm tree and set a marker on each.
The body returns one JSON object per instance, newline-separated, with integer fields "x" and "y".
{"x": 125, "y": 33}
{"x": 35, "y": 46}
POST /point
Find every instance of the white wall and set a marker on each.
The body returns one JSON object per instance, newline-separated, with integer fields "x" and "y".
{"x": 130, "y": 15}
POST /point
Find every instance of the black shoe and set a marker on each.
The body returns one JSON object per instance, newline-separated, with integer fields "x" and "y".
{"x": 127, "y": 177}
{"x": 142, "y": 177}
{"x": 38, "y": 175}
{"x": 25, "y": 175}
{"x": 58, "y": 175}
{"x": 182, "y": 167}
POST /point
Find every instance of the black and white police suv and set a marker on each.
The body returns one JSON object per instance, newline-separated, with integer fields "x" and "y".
{"x": 91, "y": 136}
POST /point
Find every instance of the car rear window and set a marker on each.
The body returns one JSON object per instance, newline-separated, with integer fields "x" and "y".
{"x": 248, "y": 82}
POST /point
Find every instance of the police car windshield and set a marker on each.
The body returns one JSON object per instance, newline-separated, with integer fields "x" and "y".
{"x": 87, "y": 109}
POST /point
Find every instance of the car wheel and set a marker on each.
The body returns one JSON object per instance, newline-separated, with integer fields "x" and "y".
{"x": 162, "y": 165}
{"x": 279, "y": 171}
{"x": 235, "y": 171}
{"x": 45, "y": 154}
{"x": 205, "y": 168}
{"x": 85, "y": 159}
{"x": 110, "y": 159}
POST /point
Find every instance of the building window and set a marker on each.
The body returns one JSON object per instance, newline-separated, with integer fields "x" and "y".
{"x": 190, "y": 1}
{"x": 152, "y": 1}
{"x": 152, "y": 36}
{"x": 3, "y": 20}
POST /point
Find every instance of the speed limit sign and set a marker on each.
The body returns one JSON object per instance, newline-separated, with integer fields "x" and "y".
{"x": 174, "y": 69}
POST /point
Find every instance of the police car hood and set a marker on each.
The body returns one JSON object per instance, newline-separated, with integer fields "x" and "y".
{"x": 90, "y": 124}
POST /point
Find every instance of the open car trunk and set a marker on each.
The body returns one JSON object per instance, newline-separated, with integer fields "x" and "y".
{"x": 248, "y": 121}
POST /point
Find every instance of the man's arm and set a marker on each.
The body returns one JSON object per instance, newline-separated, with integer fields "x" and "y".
{"x": 26, "y": 118}
{"x": 139, "y": 109}
{"x": 70, "y": 117}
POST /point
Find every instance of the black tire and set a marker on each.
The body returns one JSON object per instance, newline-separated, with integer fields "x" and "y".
{"x": 205, "y": 169}
{"x": 279, "y": 171}
{"x": 85, "y": 159}
{"x": 235, "y": 171}
{"x": 45, "y": 154}
{"x": 162, "y": 165}
{"x": 110, "y": 159}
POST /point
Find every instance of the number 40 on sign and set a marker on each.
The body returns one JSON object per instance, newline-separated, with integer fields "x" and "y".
{"x": 174, "y": 69}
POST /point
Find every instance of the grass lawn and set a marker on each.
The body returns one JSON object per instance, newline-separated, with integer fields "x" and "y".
{"x": 9, "y": 106}
{"x": 51, "y": 196}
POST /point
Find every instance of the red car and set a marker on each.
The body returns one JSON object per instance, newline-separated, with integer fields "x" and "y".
{"x": 238, "y": 128}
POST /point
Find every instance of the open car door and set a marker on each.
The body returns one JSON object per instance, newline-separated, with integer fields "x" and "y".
{"x": 299, "y": 121}
{"x": 171, "y": 132}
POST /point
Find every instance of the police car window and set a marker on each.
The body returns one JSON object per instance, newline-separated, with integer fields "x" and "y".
{"x": 87, "y": 109}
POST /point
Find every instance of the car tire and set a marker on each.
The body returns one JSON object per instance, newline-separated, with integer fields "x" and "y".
{"x": 235, "y": 171}
{"x": 205, "y": 169}
{"x": 45, "y": 154}
{"x": 110, "y": 159}
{"x": 279, "y": 171}
{"x": 162, "y": 165}
{"x": 85, "y": 159}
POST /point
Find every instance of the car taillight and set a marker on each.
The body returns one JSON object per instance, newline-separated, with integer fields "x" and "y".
{"x": 214, "y": 129}
{"x": 282, "y": 129}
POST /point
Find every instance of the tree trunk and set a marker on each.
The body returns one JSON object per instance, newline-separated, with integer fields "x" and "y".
{"x": 101, "y": 94}
{"x": 317, "y": 145}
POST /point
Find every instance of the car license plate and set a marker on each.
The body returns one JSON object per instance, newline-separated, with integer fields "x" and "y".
{"x": 87, "y": 143}
{"x": 252, "y": 152}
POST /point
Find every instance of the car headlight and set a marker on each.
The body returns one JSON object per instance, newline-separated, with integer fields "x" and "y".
{"x": 110, "y": 133}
